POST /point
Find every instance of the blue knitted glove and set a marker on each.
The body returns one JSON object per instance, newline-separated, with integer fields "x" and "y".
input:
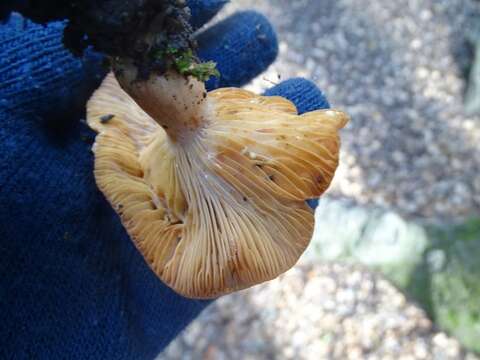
{"x": 72, "y": 285}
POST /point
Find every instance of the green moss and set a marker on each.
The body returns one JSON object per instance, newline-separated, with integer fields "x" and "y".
{"x": 455, "y": 285}
{"x": 203, "y": 71}
{"x": 186, "y": 63}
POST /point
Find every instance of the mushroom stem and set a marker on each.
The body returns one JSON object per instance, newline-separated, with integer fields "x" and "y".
{"x": 176, "y": 102}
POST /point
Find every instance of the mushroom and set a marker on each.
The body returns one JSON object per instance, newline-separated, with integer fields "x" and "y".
{"x": 211, "y": 187}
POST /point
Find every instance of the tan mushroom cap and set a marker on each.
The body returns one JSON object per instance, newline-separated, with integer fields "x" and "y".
{"x": 223, "y": 208}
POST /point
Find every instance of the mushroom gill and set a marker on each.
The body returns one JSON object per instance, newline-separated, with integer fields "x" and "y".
{"x": 211, "y": 187}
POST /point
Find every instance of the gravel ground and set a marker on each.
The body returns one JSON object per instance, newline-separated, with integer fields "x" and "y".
{"x": 315, "y": 312}
{"x": 398, "y": 68}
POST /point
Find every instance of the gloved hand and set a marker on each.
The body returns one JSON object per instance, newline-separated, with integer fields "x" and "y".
{"x": 72, "y": 285}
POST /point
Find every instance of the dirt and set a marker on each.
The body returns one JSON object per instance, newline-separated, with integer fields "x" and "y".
{"x": 141, "y": 31}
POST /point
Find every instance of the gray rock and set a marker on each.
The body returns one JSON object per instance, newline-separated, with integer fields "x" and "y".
{"x": 438, "y": 266}
{"x": 380, "y": 239}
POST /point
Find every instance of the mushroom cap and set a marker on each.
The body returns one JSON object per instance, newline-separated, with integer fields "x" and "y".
{"x": 225, "y": 209}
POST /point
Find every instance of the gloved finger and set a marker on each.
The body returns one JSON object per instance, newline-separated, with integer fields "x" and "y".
{"x": 203, "y": 10}
{"x": 37, "y": 74}
{"x": 302, "y": 92}
{"x": 243, "y": 46}
{"x": 306, "y": 96}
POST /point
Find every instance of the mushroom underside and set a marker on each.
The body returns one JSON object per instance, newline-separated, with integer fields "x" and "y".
{"x": 225, "y": 208}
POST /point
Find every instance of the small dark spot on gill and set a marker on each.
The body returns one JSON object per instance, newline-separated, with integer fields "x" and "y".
{"x": 165, "y": 127}
{"x": 259, "y": 165}
{"x": 178, "y": 239}
{"x": 106, "y": 118}
{"x": 174, "y": 97}
{"x": 245, "y": 198}
{"x": 190, "y": 86}
{"x": 271, "y": 177}
{"x": 185, "y": 108}
{"x": 204, "y": 94}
